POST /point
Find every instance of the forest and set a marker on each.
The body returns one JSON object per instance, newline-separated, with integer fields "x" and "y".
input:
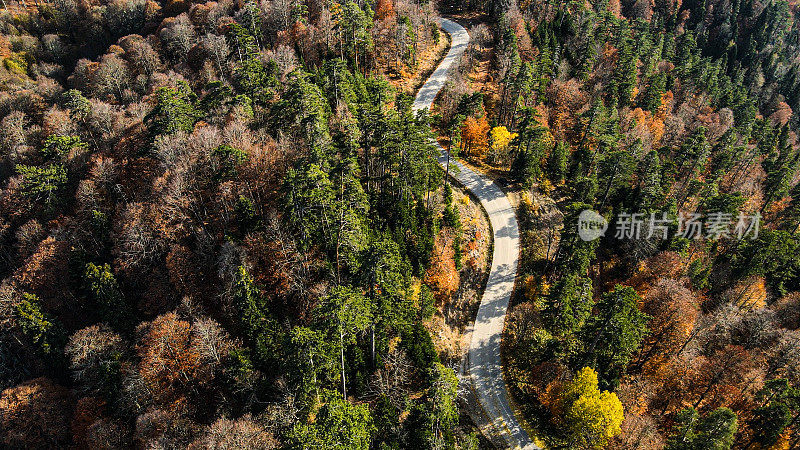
{"x": 677, "y": 109}
{"x": 222, "y": 225}
{"x": 217, "y": 224}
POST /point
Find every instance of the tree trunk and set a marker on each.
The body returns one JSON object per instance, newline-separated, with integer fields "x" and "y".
{"x": 608, "y": 188}
{"x": 341, "y": 352}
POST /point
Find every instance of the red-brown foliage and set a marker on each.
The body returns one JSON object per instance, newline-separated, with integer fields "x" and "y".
{"x": 674, "y": 309}
{"x": 35, "y": 414}
{"x": 442, "y": 276}
{"x": 177, "y": 357}
{"x": 384, "y": 10}
{"x": 568, "y": 102}
{"x": 46, "y": 273}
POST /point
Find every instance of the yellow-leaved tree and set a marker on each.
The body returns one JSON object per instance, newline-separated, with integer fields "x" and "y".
{"x": 591, "y": 417}
{"x": 500, "y": 138}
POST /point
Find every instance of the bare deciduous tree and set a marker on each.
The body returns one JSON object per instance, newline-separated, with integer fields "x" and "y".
{"x": 178, "y": 36}
{"x": 241, "y": 433}
{"x": 91, "y": 351}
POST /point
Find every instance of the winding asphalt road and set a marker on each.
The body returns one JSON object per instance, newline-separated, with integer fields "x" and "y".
{"x": 484, "y": 365}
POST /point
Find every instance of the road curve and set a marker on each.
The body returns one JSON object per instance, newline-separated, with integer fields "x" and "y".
{"x": 484, "y": 363}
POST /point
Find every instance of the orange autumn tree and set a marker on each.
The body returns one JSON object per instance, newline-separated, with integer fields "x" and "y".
{"x": 615, "y": 8}
{"x": 673, "y": 311}
{"x": 782, "y": 114}
{"x": 442, "y": 275}
{"x": 567, "y": 98}
{"x": 168, "y": 359}
{"x": 656, "y": 122}
{"x": 475, "y": 136}
{"x": 384, "y": 10}
{"x": 666, "y": 264}
{"x": 177, "y": 356}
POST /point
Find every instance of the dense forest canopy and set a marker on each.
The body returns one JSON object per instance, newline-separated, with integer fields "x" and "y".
{"x": 215, "y": 222}
{"x": 223, "y": 226}
{"x": 666, "y": 108}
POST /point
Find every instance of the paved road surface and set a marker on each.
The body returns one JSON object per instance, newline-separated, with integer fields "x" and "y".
{"x": 484, "y": 363}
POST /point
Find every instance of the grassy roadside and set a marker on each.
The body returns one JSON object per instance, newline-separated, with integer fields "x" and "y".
{"x": 411, "y": 82}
